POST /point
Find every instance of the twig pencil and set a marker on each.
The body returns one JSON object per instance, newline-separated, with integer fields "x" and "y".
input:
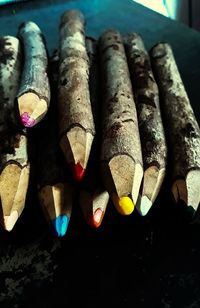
{"x": 93, "y": 196}
{"x": 54, "y": 188}
{"x": 14, "y": 179}
{"x": 14, "y": 165}
{"x": 10, "y": 69}
{"x": 34, "y": 91}
{"x": 182, "y": 128}
{"x": 76, "y": 124}
{"x": 121, "y": 158}
{"x": 154, "y": 149}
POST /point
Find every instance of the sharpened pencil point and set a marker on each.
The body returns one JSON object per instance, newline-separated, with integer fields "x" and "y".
{"x": 78, "y": 171}
{"x": 60, "y": 225}
{"x": 9, "y": 221}
{"x": 124, "y": 205}
{"x": 26, "y": 120}
{"x": 143, "y": 205}
{"x": 97, "y": 217}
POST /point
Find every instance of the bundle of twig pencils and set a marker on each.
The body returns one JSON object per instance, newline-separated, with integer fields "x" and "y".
{"x": 114, "y": 111}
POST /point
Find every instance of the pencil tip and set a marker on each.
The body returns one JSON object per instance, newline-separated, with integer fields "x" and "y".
{"x": 143, "y": 205}
{"x": 78, "y": 171}
{"x": 9, "y": 221}
{"x": 60, "y": 225}
{"x": 124, "y": 205}
{"x": 27, "y": 121}
{"x": 97, "y": 217}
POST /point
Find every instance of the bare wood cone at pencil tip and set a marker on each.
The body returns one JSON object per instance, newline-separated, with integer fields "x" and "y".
{"x": 34, "y": 91}
{"x": 14, "y": 165}
{"x": 10, "y": 70}
{"x": 54, "y": 188}
{"x": 93, "y": 195}
{"x": 154, "y": 149}
{"x": 76, "y": 127}
{"x": 121, "y": 158}
{"x": 182, "y": 128}
{"x": 14, "y": 179}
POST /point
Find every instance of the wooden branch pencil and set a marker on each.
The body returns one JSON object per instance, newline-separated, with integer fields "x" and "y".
{"x": 121, "y": 158}
{"x": 76, "y": 124}
{"x": 54, "y": 187}
{"x": 93, "y": 196}
{"x": 14, "y": 164}
{"x": 154, "y": 149}
{"x": 181, "y": 126}
{"x": 10, "y": 70}
{"x": 34, "y": 91}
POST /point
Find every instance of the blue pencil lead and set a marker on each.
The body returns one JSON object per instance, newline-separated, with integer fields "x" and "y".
{"x": 60, "y": 225}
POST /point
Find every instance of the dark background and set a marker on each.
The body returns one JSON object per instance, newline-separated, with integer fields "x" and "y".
{"x": 132, "y": 261}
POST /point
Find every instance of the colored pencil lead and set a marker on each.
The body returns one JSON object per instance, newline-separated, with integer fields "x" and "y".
{"x": 143, "y": 205}
{"x": 97, "y": 218}
{"x": 78, "y": 171}
{"x": 124, "y": 205}
{"x": 26, "y": 120}
{"x": 60, "y": 225}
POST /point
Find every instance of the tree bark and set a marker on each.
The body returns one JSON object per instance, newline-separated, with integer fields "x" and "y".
{"x": 181, "y": 126}
{"x": 74, "y": 95}
{"x": 35, "y": 71}
{"x": 147, "y": 103}
{"x": 10, "y": 71}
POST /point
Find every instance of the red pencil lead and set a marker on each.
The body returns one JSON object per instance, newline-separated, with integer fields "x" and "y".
{"x": 78, "y": 171}
{"x": 97, "y": 217}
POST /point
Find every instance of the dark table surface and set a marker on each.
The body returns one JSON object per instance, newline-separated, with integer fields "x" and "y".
{"x": 132, "y": 261}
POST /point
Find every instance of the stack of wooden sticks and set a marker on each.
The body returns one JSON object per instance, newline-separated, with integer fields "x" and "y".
{"x": 104, "y": 122}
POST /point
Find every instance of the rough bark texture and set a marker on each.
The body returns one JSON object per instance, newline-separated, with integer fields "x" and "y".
{"x": 146, "y": 95}
{"x": 94, "y": 82}
{"x": 181, "y": 126}
{"x": 74, "y": 96}
{"x": 34, "y": 76}
{"x": 92, "y": 178}
{"x": 17, "y": 152}
{"x": 51, "y": 167}
{"x": 10, "y": 69}
{"x": 120, "y": 134}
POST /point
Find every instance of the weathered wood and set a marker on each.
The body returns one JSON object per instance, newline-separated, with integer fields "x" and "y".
{"x": 10, "y": 69}
{"x": 121, "y": 156}
{"x": 14, "y": 179}
{"x": 54, "y": 186}
{"x": 182, "y": 129}
{"x": 14, "y": 164}
{"x": 154, "y": 148}
{"x": 34, "y": 91}
{"x": 93, "y": 196}
{"x": 76, "y": 124}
